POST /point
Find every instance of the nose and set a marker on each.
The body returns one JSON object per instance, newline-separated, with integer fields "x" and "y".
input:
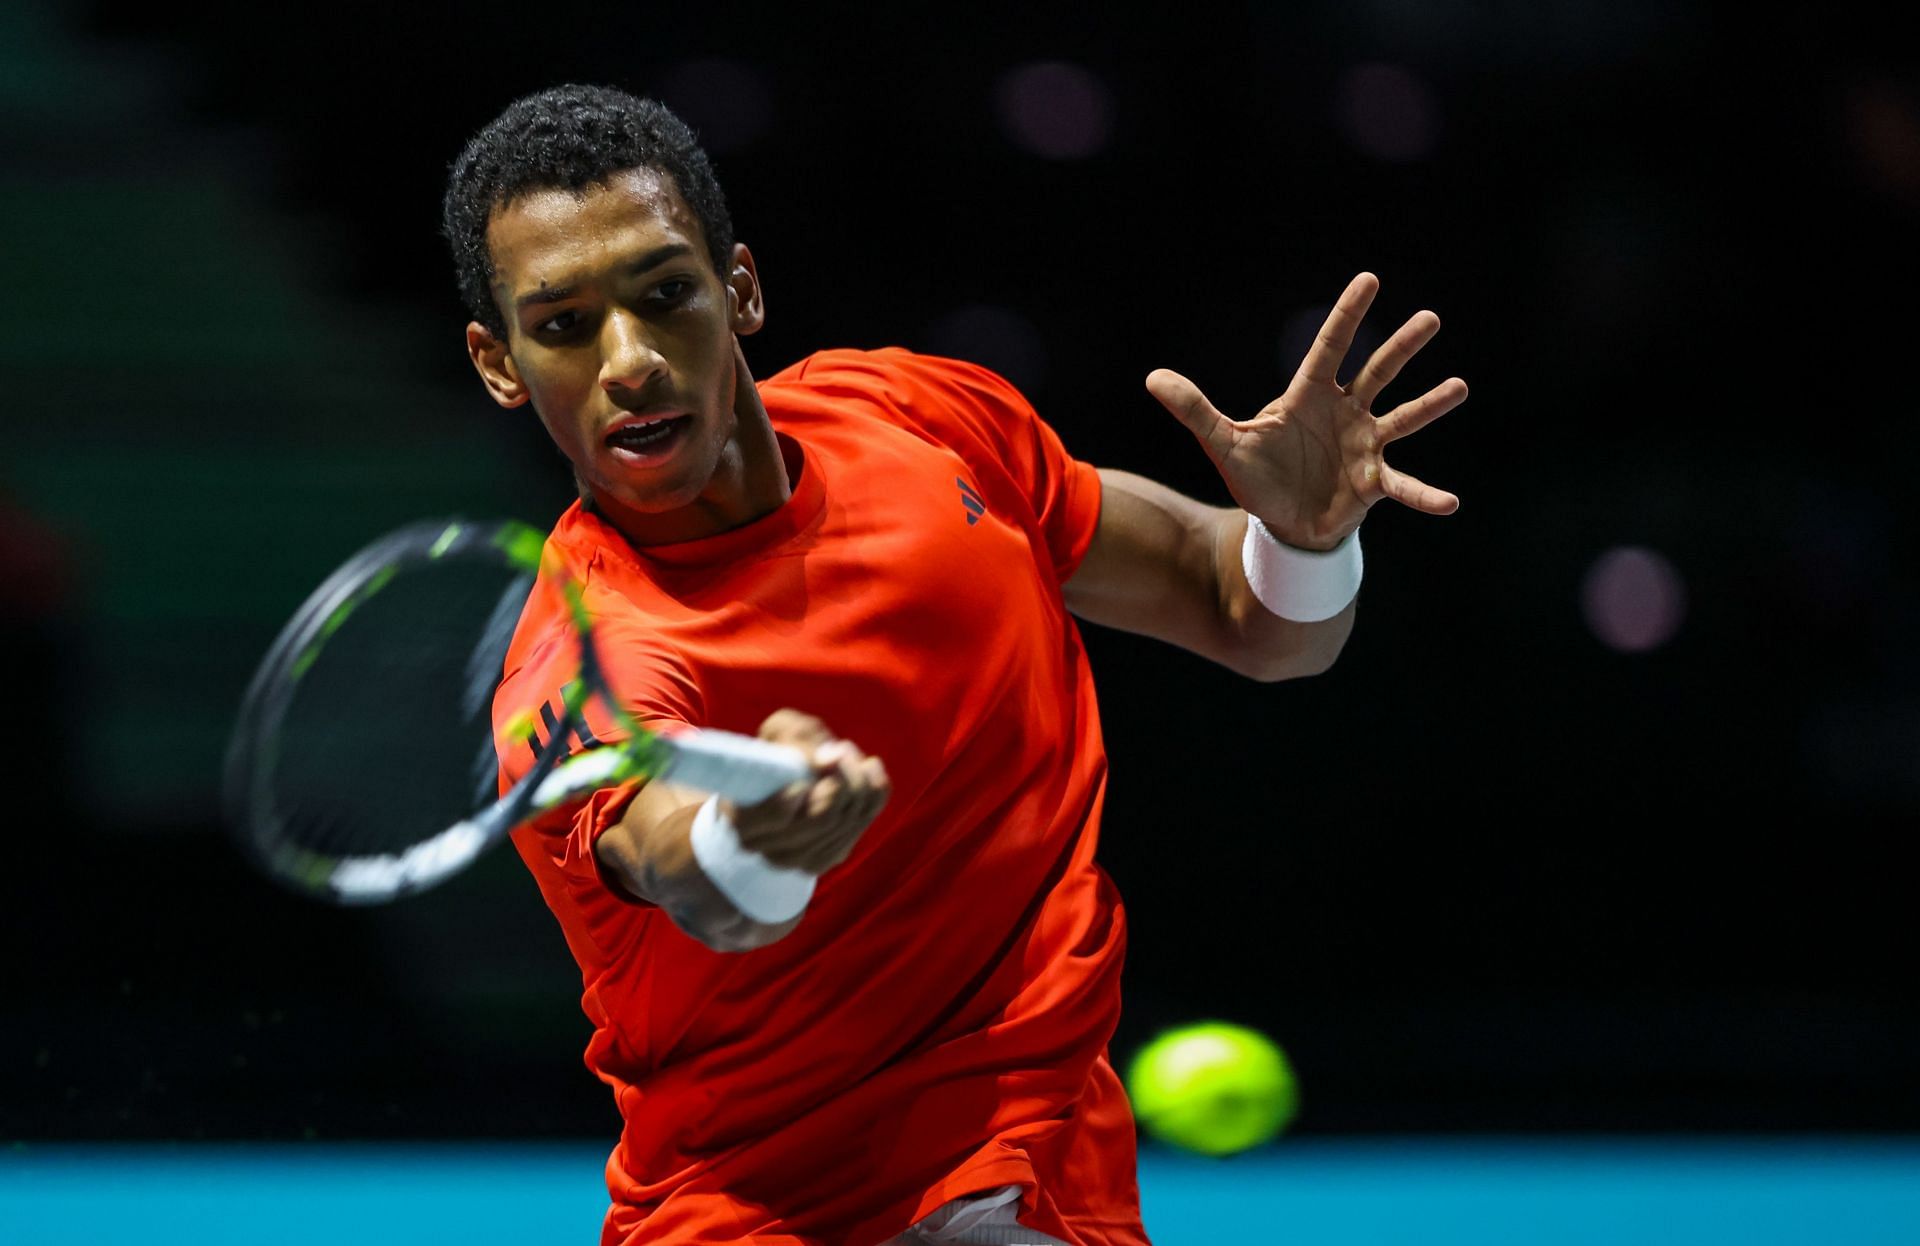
{"x": 629, "y": 359}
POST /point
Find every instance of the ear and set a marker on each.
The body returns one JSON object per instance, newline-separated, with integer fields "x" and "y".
{"x": 745, "y": 307}
{"x": 495, "y": 366}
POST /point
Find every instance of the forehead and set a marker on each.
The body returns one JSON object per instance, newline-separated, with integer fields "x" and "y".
{"x": 554, "y": 237}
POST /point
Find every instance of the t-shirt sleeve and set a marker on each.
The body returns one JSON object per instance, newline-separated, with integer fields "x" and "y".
{"x": 989, "y": 423}
{"x": 528, "y": 707}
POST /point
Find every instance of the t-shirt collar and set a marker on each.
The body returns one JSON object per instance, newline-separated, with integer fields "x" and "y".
{"x": 778, "y": 526}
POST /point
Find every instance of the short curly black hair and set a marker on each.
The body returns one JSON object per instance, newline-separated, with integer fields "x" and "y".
{"x": 569, "y": 138}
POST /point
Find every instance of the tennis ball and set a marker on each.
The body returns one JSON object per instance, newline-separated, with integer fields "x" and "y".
{"x": 1214, "y": 1087}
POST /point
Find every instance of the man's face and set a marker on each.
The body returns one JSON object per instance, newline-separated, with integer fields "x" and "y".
{"x": 621, "y": 334}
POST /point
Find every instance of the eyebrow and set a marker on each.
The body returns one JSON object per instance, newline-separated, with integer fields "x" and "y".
{"x": 652, "y": 259}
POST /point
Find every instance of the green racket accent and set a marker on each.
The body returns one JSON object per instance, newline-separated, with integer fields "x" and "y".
{"x": 522, "y": 545}
{"x": 340, "y": 615}
{"x": 590, "y": 668}
{"x": 307, "y": 868}
{"x": 649, "y": 755}
{"x": 446, "y": 541}
{"x": 577, "y": 606}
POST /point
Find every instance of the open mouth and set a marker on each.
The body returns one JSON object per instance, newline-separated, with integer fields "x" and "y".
{"x": 644, "y": 442}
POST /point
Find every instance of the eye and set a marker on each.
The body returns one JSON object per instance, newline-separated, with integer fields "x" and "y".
{"x": 558, "y": 324}
{"x": 672, "y": 291}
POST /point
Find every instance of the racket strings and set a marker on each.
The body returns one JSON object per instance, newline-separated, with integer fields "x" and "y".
{"x": 387, "y": 738}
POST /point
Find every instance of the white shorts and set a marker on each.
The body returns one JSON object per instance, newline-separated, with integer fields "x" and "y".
{"x": 984, "y": 1219}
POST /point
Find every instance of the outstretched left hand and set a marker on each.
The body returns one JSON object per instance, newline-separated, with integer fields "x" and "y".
{"x": 1309, "y": 464}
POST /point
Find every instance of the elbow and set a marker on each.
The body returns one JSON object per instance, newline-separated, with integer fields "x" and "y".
{"x": 732, "y": 931}
{"x": 662, "y": 872}
{"x": 748, "y": 935}
{"x": 1274, "y": 670}
{"x": 1314, "y": 652}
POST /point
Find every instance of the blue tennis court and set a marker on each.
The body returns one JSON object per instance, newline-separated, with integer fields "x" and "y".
{"x": 1754, "y": 1192}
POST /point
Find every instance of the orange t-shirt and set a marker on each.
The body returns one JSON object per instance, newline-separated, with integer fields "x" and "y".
{"x": 937, "y": 1024}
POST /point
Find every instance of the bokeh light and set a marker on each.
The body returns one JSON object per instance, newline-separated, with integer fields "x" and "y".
{"x": 1055, "y": 109}
{"x": 994, "y": 337}
{"x": 1883, "y": 130}
{"x": 1387, "y": 112}
{"x": 1633, "y": 599}
{"x": 727, "y": 102}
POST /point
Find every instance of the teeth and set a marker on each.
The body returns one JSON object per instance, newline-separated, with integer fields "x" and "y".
{"x": 644, "y": 434}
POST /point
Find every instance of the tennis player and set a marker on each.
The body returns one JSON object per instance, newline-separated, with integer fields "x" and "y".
{"x": 874, "y": 1008}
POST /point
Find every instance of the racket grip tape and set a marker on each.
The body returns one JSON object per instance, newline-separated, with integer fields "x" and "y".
{"x": 739, "y": 767}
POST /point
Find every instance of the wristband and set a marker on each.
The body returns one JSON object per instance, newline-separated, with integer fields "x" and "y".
{"x": 758, "y": 888}
{"x": 1300, "y": 584}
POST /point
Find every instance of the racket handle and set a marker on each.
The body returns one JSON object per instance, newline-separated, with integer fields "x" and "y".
{"x": 738, "y": 767}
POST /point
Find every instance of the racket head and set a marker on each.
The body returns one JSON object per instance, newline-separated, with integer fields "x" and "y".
{"x": 362, "y": 765}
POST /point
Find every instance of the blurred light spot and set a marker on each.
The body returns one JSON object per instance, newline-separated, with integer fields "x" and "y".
{"x": 994, "y": 337}
{"x": 727, "y": 102}
{"x": 1633, "y": 599}
{"x": 1387, "y": 113}
{"x": 1883, "y": 129}
{"x": 1559, "y": 36}
{"x": 1055, "y": 109}
{"x": 1297, "y": 336}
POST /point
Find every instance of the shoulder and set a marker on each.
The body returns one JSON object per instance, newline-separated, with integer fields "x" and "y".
{"x": 899, "y": 376}
{"x": 581, "y": 551}
{"x": 888, "y": 364}
{"x": 944, "y": 399}
{"x": 637, "y": 662}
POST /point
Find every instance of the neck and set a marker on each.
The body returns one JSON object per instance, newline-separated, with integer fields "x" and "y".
{"x": 749, "y": 480}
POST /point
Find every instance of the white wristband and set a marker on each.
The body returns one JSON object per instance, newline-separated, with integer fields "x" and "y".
{"x": 757, "y": 887}
{"x": 1300, "y": 584}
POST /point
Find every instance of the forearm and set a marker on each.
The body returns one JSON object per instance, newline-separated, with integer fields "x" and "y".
{"x": 1167, "y": 566}
{"x": 650, "y": 854}
{"x": 1268, "y": 647}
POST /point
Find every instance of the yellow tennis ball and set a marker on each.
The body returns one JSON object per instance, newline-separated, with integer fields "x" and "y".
{"x": 1214, "y": 1087}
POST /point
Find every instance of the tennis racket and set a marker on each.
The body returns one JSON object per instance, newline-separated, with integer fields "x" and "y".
{"x": 363, "y": 766}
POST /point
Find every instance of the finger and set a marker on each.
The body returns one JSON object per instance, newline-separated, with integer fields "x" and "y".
{"x": 1411, "y": 417}
{"x": 874, "y": 790}
{"x": 825, "y": 795}
{"x": 1188, "y": 405}
{"x": 775, "y": 809}
{"x": 790, "y": 726}
{"x": 1322, "y": 363}
{"x": 812, "y": 841}
{"x": 839, "y": 833}
{"x": 877, "y": 781}
{"x": 836, "y": 756}
{"x": 1421, "y": 496}
{"x": 855, "y": 775}
{"x": 835, "y": 833}
{"x": 1390, "y": 358}
{"x": 767, "y": 826}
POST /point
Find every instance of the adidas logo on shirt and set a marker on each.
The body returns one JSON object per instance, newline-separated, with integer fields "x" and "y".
{"x": 970, "y": 498}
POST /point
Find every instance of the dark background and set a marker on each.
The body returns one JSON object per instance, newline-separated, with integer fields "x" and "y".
{"x": 1490, "y": 873}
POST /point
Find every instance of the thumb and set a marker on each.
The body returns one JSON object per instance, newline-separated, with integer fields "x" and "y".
{"x": 1188, "y": 405}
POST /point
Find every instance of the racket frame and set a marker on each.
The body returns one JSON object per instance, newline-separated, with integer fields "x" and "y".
{"x": 740, "y": 767}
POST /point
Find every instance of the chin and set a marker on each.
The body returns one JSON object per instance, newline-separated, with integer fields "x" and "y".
{"x": 648, "y": 501}
{"x": 658, "y": 496}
